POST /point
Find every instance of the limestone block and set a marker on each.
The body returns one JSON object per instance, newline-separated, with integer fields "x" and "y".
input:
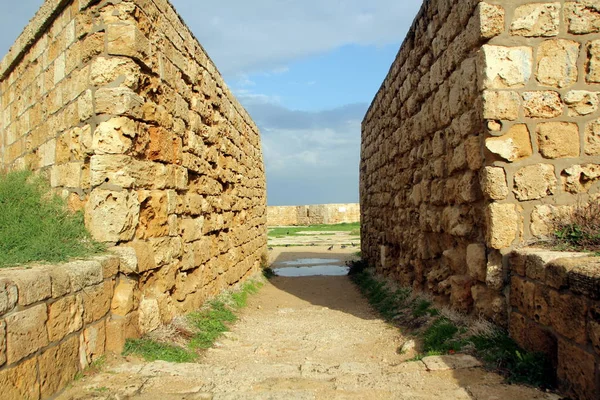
{"x": 473, "y": 148}
{"x": 153, "y": 220}
{"x": 581, "y": 102}
{"x": 191, "y": 228}
{"x": 583, "y": 17}
{"x": 490, "y": 304}
{"x": 20, "y": 382}
{"x": 144, "y": 256}
{"x": 535, "y": 182}
{"x": 58, "y": 366}
{"x": 149, "y": 315}
{"x": 506, "y": 67}
{"x": 513, "y": 145}
{"x": 558, "y": 139}
{"x": 575, "y": 370}
{"x": 593, "y": 62}
{"x": 118, "y": 101}
{"x": 502, "y": 225}
{"x": 114, "y": 136}
{"x": 477, "y": 261}
{"x": 106, "y": 70}
{"x": 110, "y": 265}
{"x": 501, "y": 105}
{"x": 542, "y": 104}
{"x": 166, "y": 250}
{"x": 64, "y": 316}
{"x": 491, "y": 19}
{"x": 92, "y": 343}
{"x": 543, "y": 219}
{"x": 584, "y": 278}
{"x": 538, "y": 19}
{"x": 66, "y": 175}
{"x": 112, "y": 216}
{"x": 495, "y": 275}
{"x": 2, "y": 342}
{"x": 493, "y": 183}
{"x": 592, "y": 138}
{"x": 460, "y": 292}
{"x": 561, "y": 270}
{"x": 579, "y": 178}
{"x": 125, "y": 297}
{"x": 522, "y": 295}
{"x": 120, "y": 328}
{"x": 127, "y": 40}
{"x": 26, "y": 332}
{"x": 83, "y": 274}
{"x": 557, "y": 63}
{"x": 33, "y": 285}
{"x": 9, "y": 294}
{"x": 164, "y": 146}
{"x": 96, "y": 301}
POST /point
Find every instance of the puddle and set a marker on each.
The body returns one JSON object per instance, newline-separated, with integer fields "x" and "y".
{"x": 309, "y": 261}
{"x": 315, "y": 270}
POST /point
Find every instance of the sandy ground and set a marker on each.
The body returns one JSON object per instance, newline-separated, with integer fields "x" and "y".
{"x": 303, "y": 338}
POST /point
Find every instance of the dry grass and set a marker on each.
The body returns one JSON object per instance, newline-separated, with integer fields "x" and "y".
{"x": 581, "y": 230}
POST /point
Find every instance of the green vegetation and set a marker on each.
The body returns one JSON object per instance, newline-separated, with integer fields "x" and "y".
{"x": 202, "y": 329}
{"x": 581, "y": 230}
{"x": 445, "y": 332}
{"x": 36, "y": 225}
{"x": 278, "y": 232}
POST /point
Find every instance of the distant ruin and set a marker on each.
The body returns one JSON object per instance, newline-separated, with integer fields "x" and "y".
{"x": 120, "y": 107}
{"x": 313, "y": 215}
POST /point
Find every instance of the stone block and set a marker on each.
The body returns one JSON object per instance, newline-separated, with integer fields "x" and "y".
{"x": 584, "y": 278}
{"x": 144, "y": 256}
{"x": 513, "y": 146}
{"x": 583, "y": 17}
{"x": 120, "y": 328}
{"x": 127, "y": 40}
{"x": 92, "y": 343}
{"x": 543, "y": 218}
{"x": 535, "y": 182}
{"x": 2, "y": 342}
{"x": 166, "y": 250}
{"x": 153, "y": 219}
{"x": 490, "y": 304}
{"x": 522, "y": 295}
{"x": 96, "y": 301}
{"x": 65, "y": 316}
{"x": 83, "y": 274}
{"x": 557, "y": 63}
{"x": 592, "y": 138}
{"x": 58, "y": 366}
{"x": 164, "y": 146}
{"x": 581, "y": 102}
{"x": 9, "y": 295}
{"x": 126, "y": 297}
{"x": 26, "y": 332}
{"x": 542, "y": 104}
{"x": 114, "y": 136}
{"x": 477, "y": 261}
{"x": 491, "y": 19}
{"x": 106, "y": 70}
{"x": 112, "y": 216}
{"x": 505, "y": 67}
{"x": 149, "y": 315}
{"x": 502, "y": 225}
{"x": 559, "y": 269}
{"x": 33, "y": 285}
{"x": 110, "y": 265}
{"x": 576, "y": 370}
{"x": 191, "y": 229}
{"x": 580, "y": 178}
{"x": 118, "y": 101}
{"x": 537, "y": 19}
{"x": 66, "y": 175}
{"x": 558, "y": 139}
{"x": 593, "y": 62}
{"x": 496, "y": 273}
{"x": 536, "y": 260}
{"x": 501, "y": 105}
{"x": 20, "y": 382}
{"x": 493, "y": 183}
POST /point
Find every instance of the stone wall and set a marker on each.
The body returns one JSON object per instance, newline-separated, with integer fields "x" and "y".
{"x": 54, "y": 321}
{"x": 555, "y": 309}
{"x": 313, "y": 214}
{"x": 119, "y": 105}
{"x": 486, "y": 127}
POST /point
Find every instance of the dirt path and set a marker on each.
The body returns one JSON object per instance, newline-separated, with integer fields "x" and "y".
{"x": 303, "y": 338}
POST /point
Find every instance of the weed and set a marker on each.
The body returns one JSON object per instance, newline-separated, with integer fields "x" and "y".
{"x": 151, "y": 351}
{"x": 269, "y": 273}
{"x": 36, "y": 225}
{"x": 580, "y": 231}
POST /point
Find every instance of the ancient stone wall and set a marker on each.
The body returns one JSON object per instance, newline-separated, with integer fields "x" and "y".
{"x": 555, "y": 309}
{"x": 486, "y": 125}
{"x": 119, "y": 105}
{"x": 313, "y": 214}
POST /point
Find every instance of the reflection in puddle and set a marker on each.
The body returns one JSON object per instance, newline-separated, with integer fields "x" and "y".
{"x": 309, "y": 261}
{"x": 315, "y": 270}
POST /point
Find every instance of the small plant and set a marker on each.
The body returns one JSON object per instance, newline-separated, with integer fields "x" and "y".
{"x": 151, "y": 350}
{"x": 581, "y": 230}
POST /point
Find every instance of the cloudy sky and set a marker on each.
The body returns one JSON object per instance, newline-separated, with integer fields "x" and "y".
{"x": 306, "y": 71}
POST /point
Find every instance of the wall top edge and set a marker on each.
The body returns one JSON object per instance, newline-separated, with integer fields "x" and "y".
{"x": 317, "y": 205}
{"x": 46, "y": 14}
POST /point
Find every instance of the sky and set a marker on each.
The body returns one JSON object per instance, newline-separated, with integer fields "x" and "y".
{"x": 306, "y": 71}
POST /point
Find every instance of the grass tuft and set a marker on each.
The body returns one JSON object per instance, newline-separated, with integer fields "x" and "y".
{"x": 36, "y": 225}
{"x": 151, "y": 350}
{"x": 580, "y": 231}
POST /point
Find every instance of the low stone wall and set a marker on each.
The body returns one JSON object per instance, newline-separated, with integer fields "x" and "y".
{"x": 313, "y": 214}
{"x": 57, "y": 319}
{"x": 555, "y": 309}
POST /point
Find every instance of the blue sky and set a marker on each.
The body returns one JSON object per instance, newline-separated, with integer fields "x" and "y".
{"x": 305, "y": 70}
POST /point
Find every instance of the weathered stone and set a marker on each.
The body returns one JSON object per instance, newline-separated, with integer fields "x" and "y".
{"x": 128, "y": 259}
{"x": 166, "y": 250}
{"x": 543, "y": 219}
{"x": 535, "y": 182}
{"x": 144, "y": 257}
{"x": 58, "y": 366}
{"x": 83, "y": 274}
{"x": 149, "y": 315}
{"x": 593, "y": 63}
{"x": 65, "y": 316}
{"x": 592, "y": 138}
{"x": 452, "y": 362}
{"x": 66, "y": 175}
{"x": 112, "y": 216}
{"x": 558, "y": 139}
{"x": 522, "y": 295}
{"x": 496, "y": 273}
{"x": 9, "y": 295}
{"x": 557, "y": 63}
{"x": 114, "y": 136}
{"x": 20, "y": 382}
{"x": 120, "y": 328}
{"x": 581, "y": 102}
{"x": 584, "y": 278}
{"x": 2, "y": 342}
{"x": 33, "y": 285}
{"x": 506, "y": 67}
{"x": 490, "y": 304}
{"x": 491, "y": 19}
{"x": 542, "y": 104}
{"x": 106, "y": 70}
{"x": 125, "y": 297}
{"x": 460, "y": 293}
{"x": 538, "y": 19}
{"x": 583, "y": 17}
{"x": 26, "y": 332}
{"x": 503, "y": 105}
{"x": 512, "y": 146}
{"x": 579, "y": 178}
{"x": 502, "y": 225}
{"x": 576, "y": 370}
{"x": 191, "y": 229}
{"x": 153, "y": 220}
{"x": 493, "y": 183}
{"x": 559, "y": 270}
{"x": 127, "y": 40}
{"x": 477, "y": 261}
{"x": 92, "y": 343}
{"x": 96, "y": 301}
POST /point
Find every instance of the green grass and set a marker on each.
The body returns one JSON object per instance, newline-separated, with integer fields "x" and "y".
{"x": 353, "y": 228}
{"x": 36, "y": 226}
{"x": 151, "y": 350}
{"x": 439, "y": 335}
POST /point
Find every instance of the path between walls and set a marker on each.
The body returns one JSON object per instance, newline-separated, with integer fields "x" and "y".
{"x": 303, "y": 338}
